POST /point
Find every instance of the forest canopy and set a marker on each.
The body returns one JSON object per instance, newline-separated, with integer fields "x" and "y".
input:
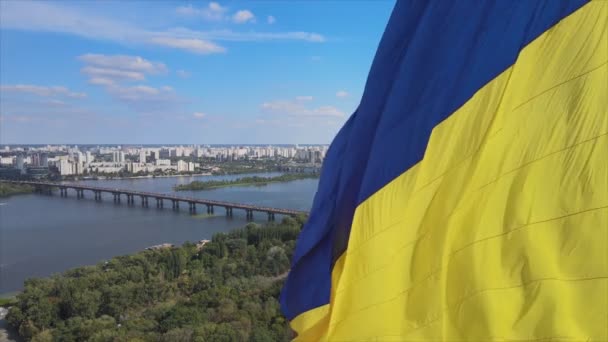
{"x": 225, "y": 290}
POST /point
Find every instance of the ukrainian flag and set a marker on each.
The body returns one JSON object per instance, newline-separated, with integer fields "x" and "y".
{"x": 466, "y": 199}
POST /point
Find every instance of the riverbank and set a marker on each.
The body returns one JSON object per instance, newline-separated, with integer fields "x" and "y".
{"x": 225, "y": 288}
{"x": 7, "y": 333}
{"x": 58, "y": 234}
{"x": 7, "y": 189}
{"x": 244, "y": 181}
{"x": 103, "y": 178}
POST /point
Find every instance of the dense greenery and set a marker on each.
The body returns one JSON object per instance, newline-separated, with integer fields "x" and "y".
{"x": 8, "y": 301}
{"x": 8, "y": 189}
{"x": 226, "y": 290}
{"x": 254, "y": 180}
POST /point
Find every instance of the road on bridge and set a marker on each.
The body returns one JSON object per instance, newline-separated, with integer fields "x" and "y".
{"x": 249, "y": 208}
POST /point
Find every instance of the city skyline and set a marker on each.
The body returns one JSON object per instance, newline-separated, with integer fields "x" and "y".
{"x": 191, "y": 72}
{"x": 53, "y": 161}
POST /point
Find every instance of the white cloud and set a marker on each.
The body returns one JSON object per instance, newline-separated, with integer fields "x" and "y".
{"x": 56, "y": 103}
{"x": 195, "y": 45}
{"x": 243, "y": 16}
{"x": 107, "y": 74}
{"x": 271, "y": 19}
{"x": 342, "y": 94}
{"x": 135, "y": 93}
{"x": 183, "y": 73}
{"x": 304, "y": 98}
{"x": 213, "y": 12}
{"x": 249, "y": 36}
{"x": 108, "y": 69}
{"x": 26, "y": 15}
{"x": 100, "y": 81}
{"x": 199, "y": 115}
{"x": 215, "y": 7}
{"x": 297, "y": 108}
{"x": 113, "y": 72}
{"x": 186, "y": 10}
{"x": 42, "y": 90}
{"x": 124, "y": 62}
{"x": 327, "y": 111}
{"x": 17, "y": 118}
{"x": 56, "y": 17}
{"x": 145, "y": 99}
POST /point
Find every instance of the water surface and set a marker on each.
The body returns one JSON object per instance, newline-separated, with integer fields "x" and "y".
{"x": 41, "y": 235}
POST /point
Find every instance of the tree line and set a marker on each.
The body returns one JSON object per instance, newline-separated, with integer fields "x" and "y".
{"x": 226, "y": 290}
{"x": 253, "y": 180}
{"x": 9, "y": 189}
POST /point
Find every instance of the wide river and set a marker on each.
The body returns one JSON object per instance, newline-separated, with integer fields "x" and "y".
{"x": 41, "y": 235}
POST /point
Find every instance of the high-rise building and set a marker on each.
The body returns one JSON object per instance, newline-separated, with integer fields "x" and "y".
{"x": 164, "y": 154}
{"x": 118, "y": 156}
{"x": 65, "y": 167}
{"x": 44, "y": 160}
{"x": 142, "y": 156}
{"x": 35, "y": 159}
{"x": 19, "y": 161}
{"x": 182, "y": 166}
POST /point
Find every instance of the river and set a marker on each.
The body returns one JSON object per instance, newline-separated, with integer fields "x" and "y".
{"x": 41, "y": 235}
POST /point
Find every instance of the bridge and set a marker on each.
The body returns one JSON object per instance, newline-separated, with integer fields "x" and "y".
{"x": 47, "y": 187}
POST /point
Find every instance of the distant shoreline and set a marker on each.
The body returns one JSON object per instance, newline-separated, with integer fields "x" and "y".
{"x": 103, "y": 178}
{"x": 8, "y": 190}
{"x": 246, "y": 181}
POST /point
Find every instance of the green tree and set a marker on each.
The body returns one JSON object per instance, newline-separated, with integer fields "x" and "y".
{"x": 227, "y": 291}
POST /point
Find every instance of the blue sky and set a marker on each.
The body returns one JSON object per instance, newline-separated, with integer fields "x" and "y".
{"x": 183, "y": 72}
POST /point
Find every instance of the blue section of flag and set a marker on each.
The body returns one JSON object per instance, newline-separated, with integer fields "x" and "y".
{"x": 430, "y": 61}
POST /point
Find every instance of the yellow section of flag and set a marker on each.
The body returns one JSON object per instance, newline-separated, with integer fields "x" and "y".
{"x": 501, "y": 231}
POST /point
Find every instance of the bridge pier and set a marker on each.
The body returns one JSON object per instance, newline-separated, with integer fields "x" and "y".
{"x": 270, "y": 216}
{"x": 191, "y": 207}
{"x": 48, "y": 187}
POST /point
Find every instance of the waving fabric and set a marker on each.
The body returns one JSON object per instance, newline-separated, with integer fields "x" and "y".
{"x": 467, "y": 196}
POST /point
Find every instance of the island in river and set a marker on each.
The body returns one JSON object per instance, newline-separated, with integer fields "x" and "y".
{"x": 244, "y": 181}
{"x": 7, "y": 189}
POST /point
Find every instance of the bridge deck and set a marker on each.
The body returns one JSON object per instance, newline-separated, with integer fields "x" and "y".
{"x": 164, "y": 196}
